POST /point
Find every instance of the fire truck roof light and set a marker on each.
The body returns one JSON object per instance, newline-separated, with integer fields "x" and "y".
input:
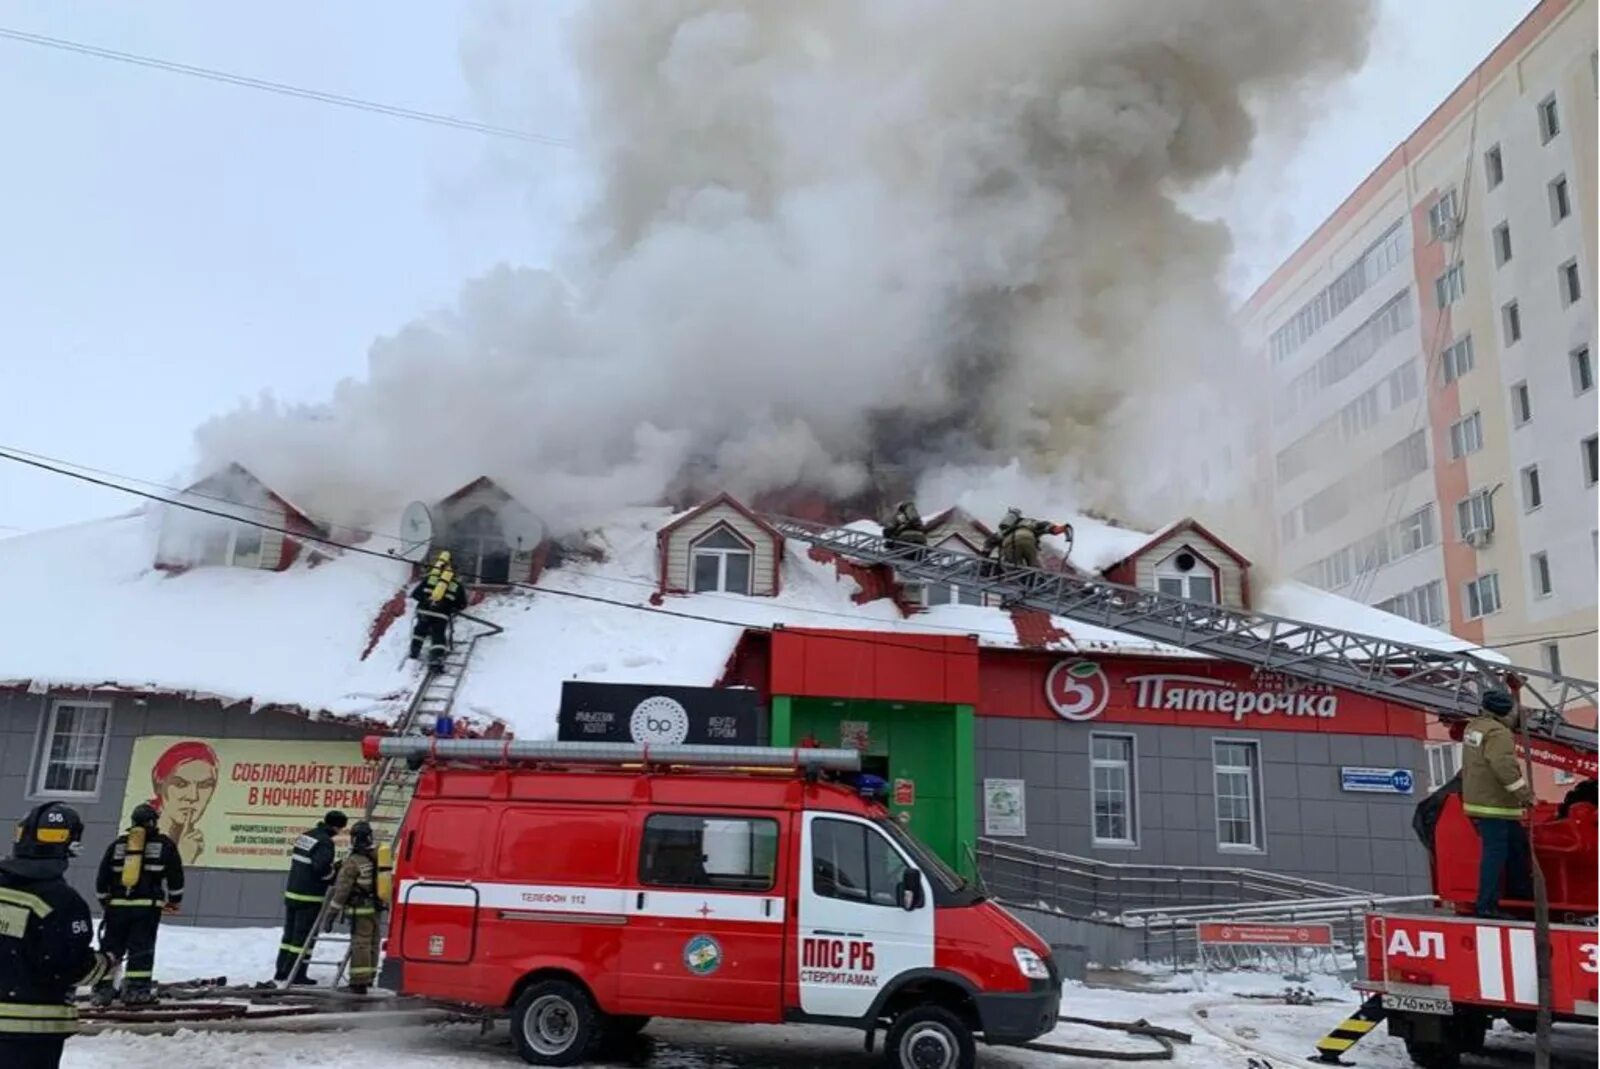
{"x": 610, "y": 753}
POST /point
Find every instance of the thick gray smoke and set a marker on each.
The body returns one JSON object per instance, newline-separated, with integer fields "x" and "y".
{"x": 828, "y": 236}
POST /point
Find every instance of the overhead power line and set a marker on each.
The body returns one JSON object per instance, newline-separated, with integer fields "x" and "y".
{"x": 283, "y": 88}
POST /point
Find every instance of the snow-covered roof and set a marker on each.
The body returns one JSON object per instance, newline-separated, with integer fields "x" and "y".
{"x": 98, "y": 613}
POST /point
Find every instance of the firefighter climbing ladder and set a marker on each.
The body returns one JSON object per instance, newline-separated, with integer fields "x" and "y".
{"x": 1443, "y": 683}
{"x": 395, "y": 780}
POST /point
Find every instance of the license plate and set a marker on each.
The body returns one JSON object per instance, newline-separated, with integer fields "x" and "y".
{"x": 1419, "y": 1004}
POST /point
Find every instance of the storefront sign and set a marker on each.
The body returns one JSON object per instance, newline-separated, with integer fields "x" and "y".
{"x": 658, "y": 716}
{"x": 1005, "y": 807}
{"x": 905, "y": 792}
{"x": 1376, "y": 780}
{"x": 240, "y": 803}
{"x": 1266, "y": 935}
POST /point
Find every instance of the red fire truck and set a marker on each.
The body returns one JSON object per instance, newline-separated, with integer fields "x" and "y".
{"x": 587, "y": 887}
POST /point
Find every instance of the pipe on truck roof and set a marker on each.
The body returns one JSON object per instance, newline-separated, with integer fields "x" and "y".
{"x": 609, "y": 753}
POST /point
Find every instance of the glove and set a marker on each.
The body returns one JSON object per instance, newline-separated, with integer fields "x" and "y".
{"x": 333, "y": 919}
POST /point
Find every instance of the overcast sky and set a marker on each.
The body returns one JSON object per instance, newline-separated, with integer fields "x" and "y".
{"x": 170, "y": 246}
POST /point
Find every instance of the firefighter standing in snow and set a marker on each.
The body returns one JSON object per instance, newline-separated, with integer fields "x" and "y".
{"x": 439, "y": 597}
{"x": 1495, "y": 794}
{"x": 141, "y": 875}
{"x": 905, "y": 529}
{"x": 1017, "y": 539}
{"x": 355, "y": 895}
{"x": 45, "y": 947}
{"x": 310, "y": 873}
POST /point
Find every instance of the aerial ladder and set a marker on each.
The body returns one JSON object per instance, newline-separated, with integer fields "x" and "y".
{"x": 1446, "y": 684}
{"x": 395, "y": 778}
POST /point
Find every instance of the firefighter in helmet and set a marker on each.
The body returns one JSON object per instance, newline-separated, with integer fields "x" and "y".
{"x": 439, "y": 596}
{"x": 1017, "y": 539}
{"x": 45, "y": 943}
{"x": 355, "y": 895}
{"x": 310, "y": 873}
{"x": 140, "y": 877}
{"x": 905, "y": 529}
{"x": 1495, "y": 795}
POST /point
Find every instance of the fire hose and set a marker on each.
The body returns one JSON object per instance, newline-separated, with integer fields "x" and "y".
{"x": 1164, "y": 1039}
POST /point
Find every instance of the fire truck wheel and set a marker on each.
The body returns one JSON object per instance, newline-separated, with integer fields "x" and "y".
{"x": 555, "y": 1022}
{"x": 1433, "y": 1055}
{"x": 930, "y": 1037}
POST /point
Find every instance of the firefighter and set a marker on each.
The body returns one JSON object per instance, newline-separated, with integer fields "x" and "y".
{"x": 310, "y": 873}
{"x": 1017, "y": 539}
{"x": 140, "y": 877}
{"x": 905, "y": 529}
{"x": 45, "y": 945}
{"x": 439, "y": 596}
{"x": 1495, "y": 794}
{"x": 355, "y": 895}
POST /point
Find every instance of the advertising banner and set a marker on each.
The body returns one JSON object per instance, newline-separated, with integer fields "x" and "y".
{"x": 1005, "y": 807}
{"x": 659, "y": 716}
{"x": 240, "y": 803}
{"x": 1304, "y": 935}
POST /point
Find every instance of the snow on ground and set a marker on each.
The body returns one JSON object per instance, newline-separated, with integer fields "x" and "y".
{"x": 100, "y": 613}
{"x": 1231, "y": 1017}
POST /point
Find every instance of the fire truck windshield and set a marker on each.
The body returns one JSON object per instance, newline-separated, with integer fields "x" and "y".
{"x": 926, "y": 859}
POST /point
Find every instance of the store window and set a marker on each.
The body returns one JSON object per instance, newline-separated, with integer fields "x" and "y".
{"x": 1444, "y": 761}
{"x": 74, "y": 751}
{"x": 1236, "y": 768}
{"x": 1112, "y": 789}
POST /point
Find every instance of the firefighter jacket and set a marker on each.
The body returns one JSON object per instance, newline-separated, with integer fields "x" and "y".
{"x": 311, "y": 865}
{"x": 45, "y": 952}
{"x": 153, "y": 878}
{"x": 355, "y": 889}
{"x": 1013, "y": 537}
{"x": 436, "y": 594}
{"x": 1492, "y": 781}
{"x": 906, "y": 526}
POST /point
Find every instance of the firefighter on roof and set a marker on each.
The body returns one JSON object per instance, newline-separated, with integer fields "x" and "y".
{"x": 45, "y": 947}
{"x": 905, "y": 529}
{"x": 355, "y": 894}
{"x": 140, "y": 877}
{"x": 1495, "y": 794}
{"x": 1017, "y": 539}
{"x": 310, "y": 873}
{"x": 439, "y": 596}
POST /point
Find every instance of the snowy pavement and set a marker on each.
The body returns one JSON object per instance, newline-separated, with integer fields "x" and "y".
{"x": 1227, "y": 1028}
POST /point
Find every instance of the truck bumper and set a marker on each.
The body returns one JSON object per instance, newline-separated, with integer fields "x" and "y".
{"x": 1009, "y": 1019}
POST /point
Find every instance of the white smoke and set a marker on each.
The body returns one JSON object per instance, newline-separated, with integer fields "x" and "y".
{"x": 827, "y": 235}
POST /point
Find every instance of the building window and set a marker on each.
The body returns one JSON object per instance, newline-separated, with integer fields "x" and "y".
{"x": 1539, "y": 565}
{"x": 1511, "y": 322}
{"x": 1475, "y": 513}
{"x": 1552, "y": 658}
{"x": 1450, "y": 285}
{"x": 1521, "y": 404}
{"x": 1458, "y": 359}
{"x": 1532, "y": 493}
{"x": 1407, "y": 457}
{"x": 479, "y": 549}
{"x": 1571, "y": 288}
{"x": 1560, "y": 200}
{"x": 1494, "y": 167}
{"x": 1237, "y": 776}
{"x": 1483, "y": 595}
{"x": 1415, "y": 531}
{"x": 931, "y": 594}
{"x": 1591, "y": 462}
{"x": 1582, "y": 369}
{"x": 1185, "y": 575}
{"x": 1502, "y": 244}
{"x": 1549, "y": 119}
{"x": 74, "y": 750}
{"x": 1423, "y": 604}
{"x": 235, "y": 544}
{"x": 721, "y": 562}
{"x": 726, "y": 853}
{"x": 1444, "y": 761}
{"x": 1442, "y": 217}
{"x": 1112, "y": 789}
{"x": 853, "y": 862}
{"x": 1466, "y": 436}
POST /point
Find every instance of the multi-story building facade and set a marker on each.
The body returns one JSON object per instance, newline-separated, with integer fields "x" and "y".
{"x": 1431, "y": 349}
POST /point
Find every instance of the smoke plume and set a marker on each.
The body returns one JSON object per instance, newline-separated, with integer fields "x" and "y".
{"x": 834, "y": 238}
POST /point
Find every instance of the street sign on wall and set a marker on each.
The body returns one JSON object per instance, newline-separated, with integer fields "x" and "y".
{"x": 1376, "y": 780}
{"x": 1266, "y": 935}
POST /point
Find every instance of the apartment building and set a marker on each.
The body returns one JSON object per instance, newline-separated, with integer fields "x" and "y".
{"x": 1432, "y": 414}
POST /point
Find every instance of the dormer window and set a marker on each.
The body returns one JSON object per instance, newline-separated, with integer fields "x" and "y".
{"x": 721, "y": 562}
{"x": 480, "y": 550}
{"x": 1186, "y": 574}
{"x": 235, "y": 544}
{"x": 949, "y": 594}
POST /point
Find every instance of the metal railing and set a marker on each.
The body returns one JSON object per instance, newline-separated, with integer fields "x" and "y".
{"x": 1171, "y": 934}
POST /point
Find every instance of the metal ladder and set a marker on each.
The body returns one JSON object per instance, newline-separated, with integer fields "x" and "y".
{"x": 394, "y": 781}
{"x": 1446, "y": 684}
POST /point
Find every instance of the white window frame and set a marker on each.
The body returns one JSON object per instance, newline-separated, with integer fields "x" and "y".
{"x": 1570, "y": 280}
{"x": 696, "y": 551}
{"x": 1549, "y": 120}
{"x": 1444, "y": 761}
{"x": 1532, "y": 489}
{"x": 1440, "y": 212}
{"x": 1449, "y": 287}
{"x": 1581, "y": 363}
{"x": 1501, "y": 239}
{"x": 1539, "y": 574}
{"x": 1560, "y": 199}
{"x": 1459, "y": 358}
{"x": 230, "y": 555}
{"x": 42, "y": 770}
{"x": 1168, "y": 570}
{"x": 1478, "y": 514}
{"x": 1130, "y": 768}
{"x": 1474, "y": 605}
{"x": 1511, "y": 322}
{"x": 1521, "y": 404}
{"x": 1258, "y": 843}
{"x": 1466, "y": 435}
{"x": 1494, "y": 167}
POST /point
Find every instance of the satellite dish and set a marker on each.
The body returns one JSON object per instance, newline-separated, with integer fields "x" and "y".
{"x": 522, "y": 530}
{"x": 416, "y": 531}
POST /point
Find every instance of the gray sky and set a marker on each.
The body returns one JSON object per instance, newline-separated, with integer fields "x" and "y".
{"x": 170, "y": 246}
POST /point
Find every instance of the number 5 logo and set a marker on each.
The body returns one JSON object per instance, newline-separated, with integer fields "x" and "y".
{"x": 1077, "y": 690}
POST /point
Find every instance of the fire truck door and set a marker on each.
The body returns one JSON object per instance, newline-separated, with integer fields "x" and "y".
{"x": 706, "y": 923}
{"x": 854, "y": 936}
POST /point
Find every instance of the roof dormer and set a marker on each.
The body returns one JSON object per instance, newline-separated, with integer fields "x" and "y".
{"x": 492, "y": 537}
{"x": 1188, "y": 561}
{"x": 199, "y": 532}
{"x": 719, "y": 547}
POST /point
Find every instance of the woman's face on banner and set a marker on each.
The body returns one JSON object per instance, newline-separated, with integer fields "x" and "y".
{"x": 187, "y": 791}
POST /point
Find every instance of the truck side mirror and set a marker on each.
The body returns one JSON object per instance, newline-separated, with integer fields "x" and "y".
{"x": 911, "y": 896}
